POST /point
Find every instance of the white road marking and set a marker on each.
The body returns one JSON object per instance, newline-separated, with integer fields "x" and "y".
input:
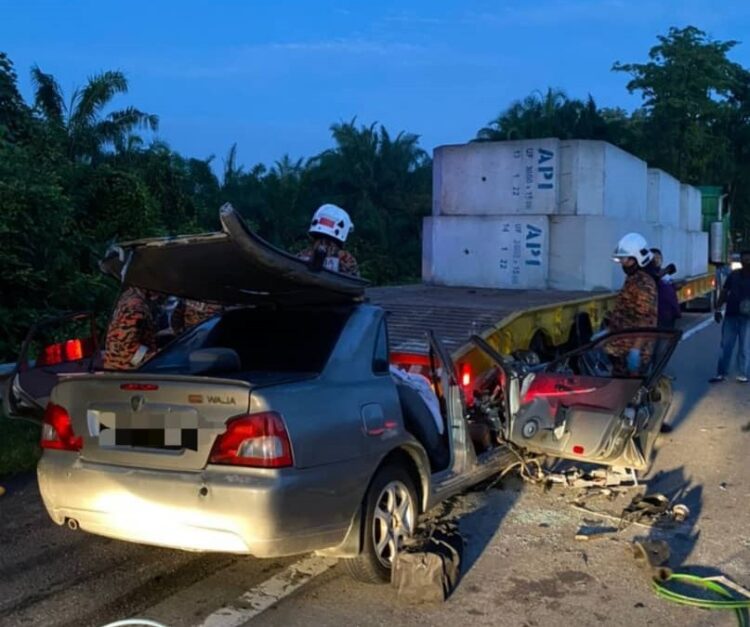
{"x": 698, "y": 328}
{"x": 270, "y": 592}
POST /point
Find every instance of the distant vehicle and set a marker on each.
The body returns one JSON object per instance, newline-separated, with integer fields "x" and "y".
{"x": 276, "y": 428}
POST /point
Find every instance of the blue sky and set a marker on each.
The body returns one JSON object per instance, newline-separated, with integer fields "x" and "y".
{"x": 273, "y": 76}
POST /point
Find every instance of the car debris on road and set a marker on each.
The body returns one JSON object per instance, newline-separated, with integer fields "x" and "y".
{"x": 428, "y": 568}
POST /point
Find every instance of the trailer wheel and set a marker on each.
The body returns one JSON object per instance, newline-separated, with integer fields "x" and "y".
{"x": 542, "y": 346}
{"x": 580, "y": 331}
{"x": 390, "y": 516}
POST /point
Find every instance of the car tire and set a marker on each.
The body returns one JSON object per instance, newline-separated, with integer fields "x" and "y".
{"x": 390, "y": 513}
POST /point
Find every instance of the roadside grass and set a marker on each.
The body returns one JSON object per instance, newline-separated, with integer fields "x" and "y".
{"x": 19, "y": 446}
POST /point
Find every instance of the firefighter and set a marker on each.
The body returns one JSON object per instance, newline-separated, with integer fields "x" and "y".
{"x": 131, "y": 335}
{"x": 636, "y": 306}
{"x": 329, "y": 228}
{"x": 189, "y": 312}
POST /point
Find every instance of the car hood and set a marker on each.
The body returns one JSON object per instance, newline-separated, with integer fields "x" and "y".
{"x": 233, "y": 266}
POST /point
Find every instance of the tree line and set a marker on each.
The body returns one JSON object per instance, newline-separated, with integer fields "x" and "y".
{"x": 76, "y": 175}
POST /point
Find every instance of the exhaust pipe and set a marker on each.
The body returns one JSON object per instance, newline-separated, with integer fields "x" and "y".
{"x": 72, "y": 524}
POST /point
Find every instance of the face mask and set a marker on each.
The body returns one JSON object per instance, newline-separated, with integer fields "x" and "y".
{"x": 630, "y": 270}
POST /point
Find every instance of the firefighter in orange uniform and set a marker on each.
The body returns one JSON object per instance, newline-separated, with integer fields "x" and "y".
{"x": 329, "y": 229}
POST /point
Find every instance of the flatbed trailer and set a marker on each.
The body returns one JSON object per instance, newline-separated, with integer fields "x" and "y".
{"x": 541, "y": 320}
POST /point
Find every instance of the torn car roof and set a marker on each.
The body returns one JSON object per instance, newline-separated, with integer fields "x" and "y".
{"x": 234, "y": 266}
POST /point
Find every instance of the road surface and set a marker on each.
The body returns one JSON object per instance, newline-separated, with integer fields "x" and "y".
{"x": 523, "y": 566}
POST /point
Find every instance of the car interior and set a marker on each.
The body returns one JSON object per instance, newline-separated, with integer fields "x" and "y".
{"x": 418, "y": 418}
{"x": 289, "y": 340}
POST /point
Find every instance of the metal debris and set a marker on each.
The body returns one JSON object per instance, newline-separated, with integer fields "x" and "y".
{"x": 649, "y": 510}
{"x": 653, "y": 555}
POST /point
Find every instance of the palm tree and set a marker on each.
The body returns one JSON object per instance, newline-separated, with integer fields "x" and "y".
{"x": 550, "y": 114}
{"x": 380, "y": 180}
{"x": 81, "y": 122}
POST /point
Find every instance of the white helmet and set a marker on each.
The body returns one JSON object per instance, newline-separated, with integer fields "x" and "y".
{"x": 633, "y": 245}
{"x": 332, "y": 221}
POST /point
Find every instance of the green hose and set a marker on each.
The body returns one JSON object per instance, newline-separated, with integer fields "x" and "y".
{"x": 729, "y": 602}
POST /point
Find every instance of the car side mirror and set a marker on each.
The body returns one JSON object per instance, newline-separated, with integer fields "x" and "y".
{"x": 214, "y": 360}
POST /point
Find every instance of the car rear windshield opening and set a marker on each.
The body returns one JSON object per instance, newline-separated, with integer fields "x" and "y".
{"x": 281, "y": 340}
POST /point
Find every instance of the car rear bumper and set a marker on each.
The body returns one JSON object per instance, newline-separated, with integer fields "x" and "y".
{"x": 261, "y": 512}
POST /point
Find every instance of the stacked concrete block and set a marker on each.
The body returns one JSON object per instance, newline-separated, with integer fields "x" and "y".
{"x": 697, "y": 261}
{"x": 496, "y": 178}
{"x": 674, "y": 244}
{"x": 490, "y": 251}
{"x": 691, "y": 216}
{"x": 581, "y": 253}
{"x": 663, "y": 201}
{"x": 599, "y": 179}
{"x": 549, "y": 213}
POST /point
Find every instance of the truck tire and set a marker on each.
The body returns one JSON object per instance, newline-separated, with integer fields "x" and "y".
{"x": 390, "y": 515}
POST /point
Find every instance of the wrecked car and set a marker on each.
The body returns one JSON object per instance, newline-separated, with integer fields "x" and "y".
{"x": 277, "y": 427}
{"x": 272, "y": 429}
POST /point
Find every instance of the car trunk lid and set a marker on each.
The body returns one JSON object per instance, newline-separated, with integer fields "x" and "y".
{"x": 233, "y": 267}
{"x": 147, "y": 421}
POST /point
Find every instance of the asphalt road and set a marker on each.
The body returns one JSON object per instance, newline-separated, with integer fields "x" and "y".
{"x": 522, "y": 567}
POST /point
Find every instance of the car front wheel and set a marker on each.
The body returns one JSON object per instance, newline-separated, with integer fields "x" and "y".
{"x": 390, "y": 517}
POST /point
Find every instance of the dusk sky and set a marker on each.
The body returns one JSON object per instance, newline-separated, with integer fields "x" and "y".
{"x": 273, "y": 76}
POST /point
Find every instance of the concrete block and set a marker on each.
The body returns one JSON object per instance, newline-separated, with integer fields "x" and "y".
{"x": 581, "y": 250}
{"x": 697, "y": 261}
{"x": 691, "y": 216}
{"x": 599, "y": 179}
{"x": 496, "y": 178}
{"x": 674, "y": 244}
{"x": 486, "y": 251}
{"x": 663, "y": 206}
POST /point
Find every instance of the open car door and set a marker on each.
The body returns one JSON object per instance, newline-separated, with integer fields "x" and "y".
{"x": 54, "y": 347}
{"x": 603, "y": 403}
{"x": 452, "y": 403}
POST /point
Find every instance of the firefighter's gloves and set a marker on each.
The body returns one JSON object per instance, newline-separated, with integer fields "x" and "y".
{"x": 634, "y": 360}
{"x": 718, "y": 316}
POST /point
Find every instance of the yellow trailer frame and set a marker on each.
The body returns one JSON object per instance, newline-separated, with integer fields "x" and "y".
{"x": 554, "y": 322}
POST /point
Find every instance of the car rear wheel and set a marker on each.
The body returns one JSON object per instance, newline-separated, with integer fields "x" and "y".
{"x": 390, "y": 517}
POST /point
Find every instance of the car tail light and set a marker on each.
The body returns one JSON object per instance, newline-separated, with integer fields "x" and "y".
{"x": 57, "y": 430}
{"x": 466, "y": 375}
{"x": 50, "y": 356}
{"x": 62, "y": 352}
{"x": 73, "y": 350}
{"x": 259, "y": 440}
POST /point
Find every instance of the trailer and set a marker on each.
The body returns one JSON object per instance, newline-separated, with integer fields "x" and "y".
{"x": 545, "y": 321}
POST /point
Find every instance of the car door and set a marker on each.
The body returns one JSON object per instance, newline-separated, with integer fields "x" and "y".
{"x": 589, "y": 405}
{"x": 57, "y": 346}
{"x": 453, "y": 405}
